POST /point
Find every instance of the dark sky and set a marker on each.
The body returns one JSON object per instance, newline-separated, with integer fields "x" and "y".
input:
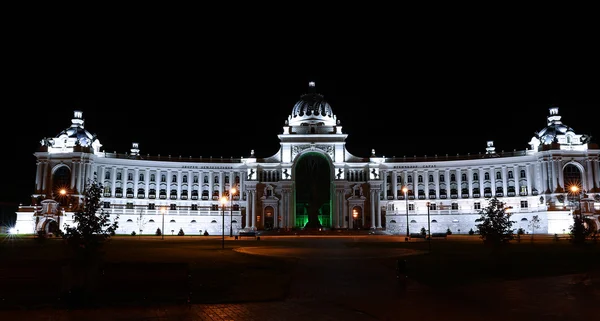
{"x": 225, "y": 98}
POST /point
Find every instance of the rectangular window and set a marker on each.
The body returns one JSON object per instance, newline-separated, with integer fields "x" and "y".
{"x": 194, "y": 207}
{"x": 106, "y": 204}
{"x": 129, "y": 206}
{"x": 477, "y": 205}
{"x": 523, "y": 204}
{"x": 173, "y": 207}
{"x": 454, "y": 206}
{"x": 411, "y": 207}
{"x": 151, "y": 206}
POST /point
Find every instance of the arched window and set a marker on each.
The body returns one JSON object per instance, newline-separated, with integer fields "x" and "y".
{"x": 463, "y": 177}
{"x": 430, "y": 178}
{"x": 107, "y": 175}
{"x": 452, "y": 178}
{"x": 487, "y": 176}
{"x": 523, "y": 173}
{"x": 216, "y": 181}
{"x": 420, "y": 178}
{"x": 475, "y": 176}
{"x": 152, "y": 177}
{"x": 205, "y": 180}
{"x": 163, "y": 178}
{"x": 510, "y": 174}
{"x": 410, "y": 178}
{"x": 141, "y": 177}
{"x": 498, "y": 175}
{"x": 184, "y": 178}
{"x": 442, "y": 178}
{"x": 174, "y": 179}
{"x": 119, "y": 176}
{"x": 195, "y": 179}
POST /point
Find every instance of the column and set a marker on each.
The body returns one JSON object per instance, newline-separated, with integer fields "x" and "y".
{"x": 436, "y": 179}
{"x": 179, "y": 182}
{"x": 447, "y": 180}
{"x": 394, "y": 184}
{"x": 426, "y": 182}
{"x": 248, "y": 209}
{"x": 590, "y": 176}
{"x": 254, "y": 209}
{"x": 136, "y": 181}
{"x": 378, "y": 208}
{"x": 73, "y": 184}
{"x": 481, "y": 180}
{"x": 470, "y": 180}
{"x": 373, "y": 223}
{"x": 528, "y": 168}
{"x": 560, "y": 174}
{"x": 596, "y": 174}
{"x": 416, "y": 184}
{"x": 493, "y": 180}
{"x": 113, "y": 182}
{"x": 210, "y": 185}
{"x": 169, "y": 184}
{"x": 504, "y": 180}
{"x": 384, "y": 176}
{"x": 459, "y": 182}
{"x": 38, "y": 176}
{"x": 554, "y": 175}
{"x": 221, "y": 184}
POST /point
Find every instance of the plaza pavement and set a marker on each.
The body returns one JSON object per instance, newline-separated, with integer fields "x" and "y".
{"x": 335, "y": 282}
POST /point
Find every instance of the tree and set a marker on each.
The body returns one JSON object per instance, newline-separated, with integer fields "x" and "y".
{"x": 93, "y": 226}
{"x": 535, "y": 223}
{"x": 495, "y": 227}
{"x": 578, "y": 232}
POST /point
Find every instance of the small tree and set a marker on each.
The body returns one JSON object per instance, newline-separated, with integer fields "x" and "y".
{"x": 158, "y": 232}
{"x": 578, "y": 232}
{"x": 535, "y": 223}
{"x": 423, "y": 231}
{"x": 495, "y": 227}
{"x": 92, "y": 225}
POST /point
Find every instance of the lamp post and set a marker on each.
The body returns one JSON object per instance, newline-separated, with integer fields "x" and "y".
{"x": 223, "y": 202}
{"x": 428, "y": 227}
{"x": 576, "y": 191}
{"x": 355, "y": 217}
{"x": 405, "y": 190}
{"x": 231, "y": 192}
{"x": 162, "y": 233}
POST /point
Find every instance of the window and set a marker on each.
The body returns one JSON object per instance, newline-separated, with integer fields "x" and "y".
{"x": 477, "y": 205}
{"x": 152, "y": 178}
{"x": 226, "y": 179}
{"x": 523, "y": 173}
{"x": 119, "y": 176}
{"x": 463, "y": 177}
{"x": 487, "y": 176}
{"x": 452, "y": 178}
{"x": 442, "y": 178}
{"x": 172, "y": 221}
{"x": 129, "y": 206}
{"x": 194, "y": 207}
{"x": 130, "y": 176}
{"x": 205, "y": 180}
{"x": 106, "y": 204}
{"x": 498, "y": 175}
{"x": 475, "y": 176}
{"x": 141, "y": 178}
{"x": 163, "y": 178}
{"x": 216, "y": 181}
{"x": 410, "y": 178}
{"x": 107, "y": 175}
{"x": 455, "y": 206}
{"x": 420, "y": 178}
{"x": 130, "y": 220}
{"x": 430, "y": 178}
{"x": 173, "y": 207}
{"x": 184, "y": 179}
{"x": 433, "y": 206}
{"x": 195, "y": 179}
{"x": 510, "y": 174}
{"x": 411, "y": 207}
{"x": 174, "y": 179}
{"x": 523, "y": 204}
{"x": 151, "y": 206}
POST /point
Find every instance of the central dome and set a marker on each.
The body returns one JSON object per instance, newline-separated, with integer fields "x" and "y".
{"x": 312, "y": 109}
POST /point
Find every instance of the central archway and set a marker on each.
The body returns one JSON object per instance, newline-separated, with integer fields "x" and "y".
{"x": 312, "y": 174}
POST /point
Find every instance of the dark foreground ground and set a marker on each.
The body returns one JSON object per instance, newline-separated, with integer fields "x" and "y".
{"x": 302, "y": 278}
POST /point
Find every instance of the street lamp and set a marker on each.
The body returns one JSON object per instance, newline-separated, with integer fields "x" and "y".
{"x": 223, "y": 202}
{"x": 162, "y": 233}
{"x": 231, "y": 192}
{"x": 355, "y": 217}
{"x": 429, "y": 227}
{"x": 405, "y": 190}
{"x": 575, "y": 191}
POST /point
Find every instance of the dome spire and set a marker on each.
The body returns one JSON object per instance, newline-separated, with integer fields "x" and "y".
{"x": 311, "y": 87}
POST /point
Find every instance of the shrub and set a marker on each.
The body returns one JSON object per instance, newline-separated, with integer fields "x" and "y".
{"x": 181, "y": 233}
{"x": 158, "y": 232}
{"x": 133, "y": 233}
{"x": 471, "y": 232}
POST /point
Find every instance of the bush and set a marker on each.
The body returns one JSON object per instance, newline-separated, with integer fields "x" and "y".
{"x": 205, "y": 233}
{"x": 520, "y": 231}
{"x": 448, "y": 232}
{"x": 181, "y": 233}
{"x": 133, "y": 233}
{"x": 423, "y": 231}
{"x": 471, "y": 232}
{"x": 158, "y": 232}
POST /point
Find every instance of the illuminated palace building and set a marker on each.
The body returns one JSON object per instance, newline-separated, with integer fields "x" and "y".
{"x": 313, "y": 181}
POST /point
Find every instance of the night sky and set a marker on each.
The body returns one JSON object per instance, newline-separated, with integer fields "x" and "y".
{"x": 219, "y": 104}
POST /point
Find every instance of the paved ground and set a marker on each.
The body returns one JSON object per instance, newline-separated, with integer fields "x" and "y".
{"x": 334, "y": 282}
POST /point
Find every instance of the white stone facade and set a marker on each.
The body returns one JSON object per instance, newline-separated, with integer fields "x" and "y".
{"x": 149, "y": 192}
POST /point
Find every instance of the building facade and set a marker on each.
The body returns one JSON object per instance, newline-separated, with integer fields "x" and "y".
{"x": 313, "y": 181}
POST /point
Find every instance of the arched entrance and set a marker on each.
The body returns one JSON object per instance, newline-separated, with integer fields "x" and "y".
{"x": 357, "y": 218}
{"x": 312, "y": 173}
{"x": 269, "y": 218}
